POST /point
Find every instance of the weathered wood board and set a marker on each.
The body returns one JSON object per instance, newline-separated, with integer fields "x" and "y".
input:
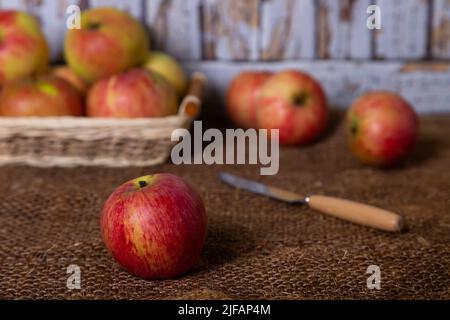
{"x": 342, "y": 30}
{"x": 404, "y": 32}
{"x": 133, "y": 7}
{"x": 271, "y": 29}
{"x": 231, "y": 29}
{"x": 425, "y": 85}
{"x": 288, "y": 29}
{"x": 441, "y": 29}
{"x": 175, "y": 27}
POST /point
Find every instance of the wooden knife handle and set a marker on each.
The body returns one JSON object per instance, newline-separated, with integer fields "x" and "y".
{"x": 357, "y": 213}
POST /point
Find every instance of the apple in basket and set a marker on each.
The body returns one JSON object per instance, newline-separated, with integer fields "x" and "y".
{"x": 43, "y": 96}
{"x": 23, "y": 48}
{"x": 64, "y": 72}
{"x": 154, "y": 226}
{"x": 133, "y": 94}
{"x": 169, "y": 68}
{"x": 242, "y": 96}
{"x": 108, "y": 42}
{"x": 381, "y": 128}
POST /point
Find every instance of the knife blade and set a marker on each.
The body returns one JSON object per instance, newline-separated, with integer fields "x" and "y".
{"x": 348, "y": 210}
{"x": 262, "y": 189}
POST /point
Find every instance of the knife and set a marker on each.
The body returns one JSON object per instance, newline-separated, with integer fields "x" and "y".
{"x": 340, "y": 208}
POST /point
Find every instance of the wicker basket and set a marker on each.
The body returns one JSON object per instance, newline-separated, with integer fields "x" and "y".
{"x": 83, "y": 141}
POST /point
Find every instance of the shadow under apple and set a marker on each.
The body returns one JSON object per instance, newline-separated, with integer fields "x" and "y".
{"x": 224, "y": 243}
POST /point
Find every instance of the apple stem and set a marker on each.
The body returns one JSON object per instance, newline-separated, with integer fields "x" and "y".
{"x": 300, "y": 99}
{"x": 93, "y": 26}
{"x": 354, "y": 127}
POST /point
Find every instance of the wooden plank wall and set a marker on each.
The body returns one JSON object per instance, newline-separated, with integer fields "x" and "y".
{"x": 254, "y": 30}
{"x": 323, "y": 37}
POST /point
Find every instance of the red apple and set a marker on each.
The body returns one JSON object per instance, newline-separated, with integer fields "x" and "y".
{"x": 381, "y": 128}
{"x": 133, "y": 94}
{"x": 242, "y": 96}
{"x": 23, "y": 48}
{"x": 64, "y": 72}
{"x": 44, "y": 96}
{"x": 154, "y": 226}
{"x": 294, "y": 103}
{"x": 109, "y": 42}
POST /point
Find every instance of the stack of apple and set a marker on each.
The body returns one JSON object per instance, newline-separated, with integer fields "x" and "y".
{"x": 109, "y": 66}
{"x": 381, "y": 126}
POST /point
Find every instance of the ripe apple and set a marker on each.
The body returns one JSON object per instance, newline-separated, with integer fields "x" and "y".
{"x": 23, "y": 48}
{"x": 109, "y": 42}
{"x": 154, "y": 226}
{"x": 64, "y": 72}
{"x": 169, "y": 68}
{"x": 133, "y": 94}
{"x": 295, "y": 103}
{"x": 44, "y": 96}
{"x": 381, "y": 128}
{"x": 242, "y": 97}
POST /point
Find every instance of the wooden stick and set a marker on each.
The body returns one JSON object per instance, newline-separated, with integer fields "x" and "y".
{"x": 191, "y": 103}
{"x": 357, "y": 213}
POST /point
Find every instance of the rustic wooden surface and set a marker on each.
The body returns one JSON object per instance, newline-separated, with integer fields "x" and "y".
{"x": 287, "y": 29}
{"x": 272, "y": 29}
{"x": 175, "y": 27}
{"x": 441, "y": 29}
{"x": 342, "y": 31}
{"x": 133, "y": 7}
{"x": 404, "y": 32}
{"x": 230, "y": 29}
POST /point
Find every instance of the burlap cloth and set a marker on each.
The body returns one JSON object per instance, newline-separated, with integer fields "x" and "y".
{"x": 256, "y": 247}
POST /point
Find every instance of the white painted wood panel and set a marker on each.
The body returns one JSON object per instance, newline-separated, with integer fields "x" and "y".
{"x": 133, "y": 7}
{"x": 441, "y": 29}
{"x": 342, "y": 29}
{"x": 288, "y": 29}
{"x": 404, "y": 31}
{"x": 175, "y": 27}
{"x": 231, "y": 29}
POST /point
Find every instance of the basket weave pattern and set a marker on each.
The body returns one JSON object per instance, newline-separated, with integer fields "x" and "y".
{"x": 133, "y": 142}
{"x": 74, "y": 141}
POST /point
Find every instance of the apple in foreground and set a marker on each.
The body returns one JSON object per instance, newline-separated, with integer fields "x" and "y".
{"x": 44, "y": 96}
{"x": 294, "y": 103}
{"x": 109, "y": 42}
{"x": 381, "y": 128}
{"x": 23, "y": 48}
{"x": 136, "y": 93}
{"x": 64, "y": 72}
{"x": 169, "y": 68}
{"x": 242, "y": 96}
{"x": 155, "y": 226}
